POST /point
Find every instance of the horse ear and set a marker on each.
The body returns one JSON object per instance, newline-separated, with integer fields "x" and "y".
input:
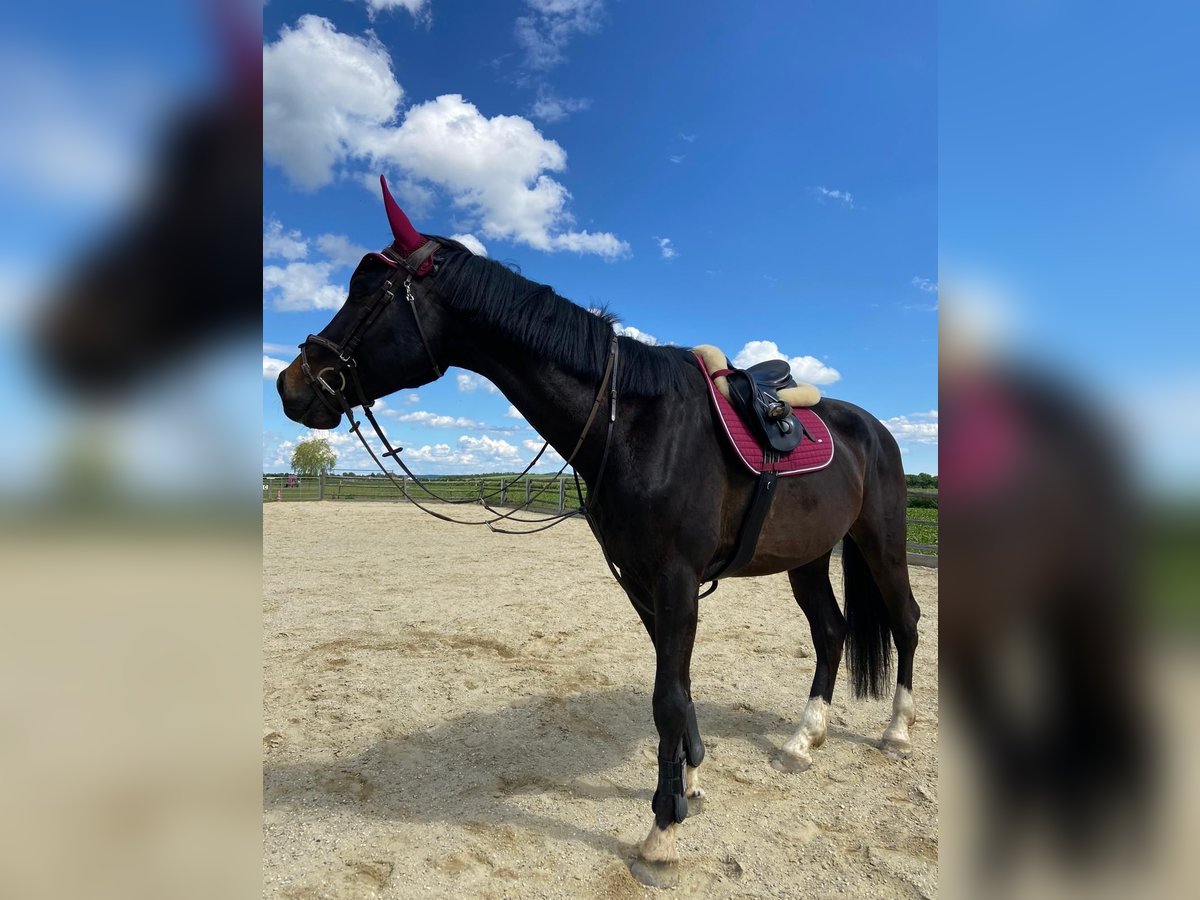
{"x": 407, "y": 237}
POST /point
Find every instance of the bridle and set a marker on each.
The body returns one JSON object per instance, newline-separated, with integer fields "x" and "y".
{"x": 335, "y": 399}
{"x": 367, "y": 316}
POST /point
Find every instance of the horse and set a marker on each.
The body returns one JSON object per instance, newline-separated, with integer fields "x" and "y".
{"x": 664, "y": 498}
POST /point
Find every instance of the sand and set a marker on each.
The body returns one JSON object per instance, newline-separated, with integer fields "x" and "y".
{"x": 453, "y": 713}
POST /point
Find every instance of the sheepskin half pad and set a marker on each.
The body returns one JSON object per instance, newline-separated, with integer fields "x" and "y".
{"x": 807, "y": 457}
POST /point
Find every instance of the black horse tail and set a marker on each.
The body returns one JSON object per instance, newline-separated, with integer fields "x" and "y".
{"x": 869, "y": 637}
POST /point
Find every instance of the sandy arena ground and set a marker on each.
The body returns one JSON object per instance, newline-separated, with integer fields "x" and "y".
{"x": 453, "y": 713}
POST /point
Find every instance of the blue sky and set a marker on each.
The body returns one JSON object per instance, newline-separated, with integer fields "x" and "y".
{"x": 686, "y": 164}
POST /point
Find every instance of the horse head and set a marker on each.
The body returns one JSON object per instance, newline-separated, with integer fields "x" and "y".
{"x": 391, "y": 333}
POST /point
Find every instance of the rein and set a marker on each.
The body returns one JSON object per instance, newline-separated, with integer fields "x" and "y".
{"x": 328, "y": 394}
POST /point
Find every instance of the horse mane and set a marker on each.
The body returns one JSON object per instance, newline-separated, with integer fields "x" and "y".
{"x": 552, "y": 327}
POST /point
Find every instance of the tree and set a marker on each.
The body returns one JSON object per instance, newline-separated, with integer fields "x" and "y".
{"x": 313, "y": 457}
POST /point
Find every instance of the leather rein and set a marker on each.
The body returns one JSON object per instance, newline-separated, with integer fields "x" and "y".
{"x": 335, "y": 399}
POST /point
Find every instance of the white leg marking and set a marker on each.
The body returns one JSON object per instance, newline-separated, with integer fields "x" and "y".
{"x": 691, "y": 784}
{"x": 659, "y": 845}
{"x": 896, "y": 741}
{"x": 795, "y": 756}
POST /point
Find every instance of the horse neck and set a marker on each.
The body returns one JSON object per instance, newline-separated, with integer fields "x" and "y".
{"x": 554, "y": 401}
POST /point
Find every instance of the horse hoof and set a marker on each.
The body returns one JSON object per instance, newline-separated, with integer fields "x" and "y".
{"x": 659, "y": 845}
{"x": 894, "y": 749}
{"x": 695, "y": 794}
{"x": 791, "y": 762}
{"x": 655, "y": 874}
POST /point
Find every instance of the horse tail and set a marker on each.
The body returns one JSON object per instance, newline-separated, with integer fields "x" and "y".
{"x": 869, "y": 637}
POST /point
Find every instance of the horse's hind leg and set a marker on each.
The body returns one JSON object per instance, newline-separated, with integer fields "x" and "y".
{"x": 811, "y": 587}
{"x": 879, "y": 554}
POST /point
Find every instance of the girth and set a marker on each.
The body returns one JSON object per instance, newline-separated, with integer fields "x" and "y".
{"x": 752, "y": 525}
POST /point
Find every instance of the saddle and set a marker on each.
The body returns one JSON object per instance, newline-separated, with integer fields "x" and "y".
{"x": 764, "y": 414}
{"x": 763, "y": 395}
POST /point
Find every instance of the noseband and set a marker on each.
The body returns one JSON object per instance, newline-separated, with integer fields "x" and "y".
{"x": 326, "y": 392}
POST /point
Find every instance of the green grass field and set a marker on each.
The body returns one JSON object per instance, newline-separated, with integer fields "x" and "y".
{"x": 922, "y": 533}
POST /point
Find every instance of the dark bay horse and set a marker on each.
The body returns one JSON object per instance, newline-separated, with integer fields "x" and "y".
{"x": 672, "y": 499}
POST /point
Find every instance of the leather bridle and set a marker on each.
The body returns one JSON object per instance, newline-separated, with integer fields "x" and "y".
{"x": 334, "y": 397}
{"x": 367, "y": 316}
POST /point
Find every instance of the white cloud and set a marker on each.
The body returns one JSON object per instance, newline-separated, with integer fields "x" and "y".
{"x": 843, "y": 197}
{"x": 340, "y": 251}
{"x": 690, "y": 138}
{"x": 331, "y": 100}
{"x": 434, "y": 420}
{"x": 804, "y": 368}
{"x": 636, "y": 333}
{"x": 279, "y": 349}
{"x": 550, "y": 108}
{"x": 432, "y": 453}
{"x": 915, "y": 428}
{"x": 278, "y": 244}
{"x": 677, "y": 158}
{"x": 300, "y": 286}
{"x": 322, "y": 90}
{"x": 494, "y": 170}
{"x": 413, "y": 398}
{"x": 665, "y": 248}
{"x": 468, "y": 381}
{"x": 812, "y": 370}
{"x": 307, "y": 284}
{"x": 551, "y": 456}
{"x": 437, "y": 420}
{"x": 928, "y": 287}
{"x": 283, "y": 454}
{"x": 493, "y": 446}
{"x": 544, "y": 35}
{"x": 419, "y": 8}
{"x": 483, "y": 452}
{"x": 471, "y": 242}
{"x": 272, "y": 367}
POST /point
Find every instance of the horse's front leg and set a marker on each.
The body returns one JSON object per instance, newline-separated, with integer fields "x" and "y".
{"x": 693, "y": 744}
{"x": 675, "y": 608}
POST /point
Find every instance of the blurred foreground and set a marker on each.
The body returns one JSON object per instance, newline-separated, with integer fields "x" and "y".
{"x": 1069, "y": 654}
{"x": 1069, "y": 216}
{"x": 129, "y": 531}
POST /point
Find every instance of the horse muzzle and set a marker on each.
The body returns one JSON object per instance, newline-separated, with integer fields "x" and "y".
{"x": 300, "y": 402}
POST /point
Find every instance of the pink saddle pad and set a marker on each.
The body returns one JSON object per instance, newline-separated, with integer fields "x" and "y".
{"x": 807, "y": 457}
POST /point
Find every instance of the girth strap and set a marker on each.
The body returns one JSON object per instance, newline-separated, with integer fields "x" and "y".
{"x": 756, "y": 515}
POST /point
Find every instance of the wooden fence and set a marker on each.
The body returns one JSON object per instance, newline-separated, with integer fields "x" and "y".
{"x": 532, "y": 492}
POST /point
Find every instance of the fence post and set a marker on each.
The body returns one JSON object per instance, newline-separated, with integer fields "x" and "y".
{"x": 526, "y": 491}
{"x": 503, "y": 493}
{"x": 562, "y": 493}
{"x": 405, "y": 487}
{"x": 481, "y": 492}
{"x": 320, "y": 485}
